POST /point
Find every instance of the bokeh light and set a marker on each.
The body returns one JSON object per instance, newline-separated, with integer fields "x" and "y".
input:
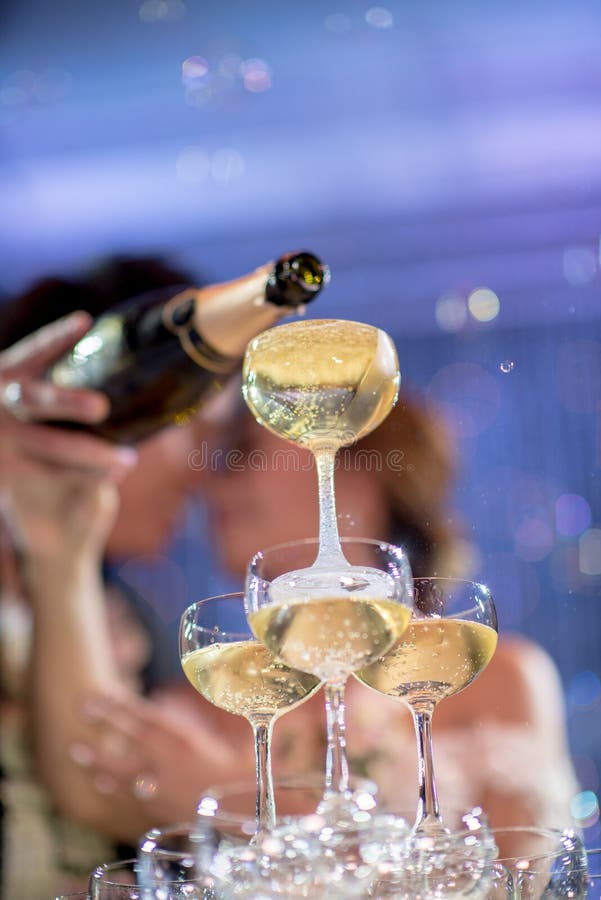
{"x": 451, "y": 312}
{"x": 379, "y": 17}
{"x": 483, "y": 304}
{"x": 534, "y": 539}
{"x": 572, "y": 515}
{"x": 589, "y": 552}
{"x": 256, "y": 75}
{"x": 193, "y": 68}
{"x": 584, "y": 807}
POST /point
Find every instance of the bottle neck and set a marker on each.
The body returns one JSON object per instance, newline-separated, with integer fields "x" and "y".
{"x": 229, "y": 315}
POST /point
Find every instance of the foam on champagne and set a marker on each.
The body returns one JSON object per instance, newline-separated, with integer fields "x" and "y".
{"x": 321, "y": 381}
{"x": 244, "y": 678}
{"x": 434, "y": 658}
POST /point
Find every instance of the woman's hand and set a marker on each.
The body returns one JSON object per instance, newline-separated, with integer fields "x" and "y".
{"x": 24, "y": 393}
{"x": 57, "y": 487}
{"x": 55, "y": 511}
{"x": 155, "y": 763}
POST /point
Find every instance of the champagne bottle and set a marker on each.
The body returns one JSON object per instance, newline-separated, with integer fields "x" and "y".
{"x": 156, "y": 357}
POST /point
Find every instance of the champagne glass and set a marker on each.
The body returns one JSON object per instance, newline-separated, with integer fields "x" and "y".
{"x": 226, "y": 664}
{"x": 451, "y": 638}
{"x": 116, "y": 881}
{"x": 330, "y": 629}
{"x": 545, "y": 862}
{"x": 304, "y": 856}
{"x": 178, "y": 855}
{"x": 123, "y": 880}
{"x": 460, "y": 863}
{"x": 322, "y": 384}
{"x": 492, "y": 882}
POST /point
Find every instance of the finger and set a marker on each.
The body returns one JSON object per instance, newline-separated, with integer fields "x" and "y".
{"x": 41, "y": 400}
{"x": 139, "y": 722}
{"x": 36, "y": 351}
{"x": 107, "y": 755}
{"x": 123, "y": 716}
{"x": 42, "y": 479}
{"x": 72, "y": 449}
{"x": 131, "y": 717}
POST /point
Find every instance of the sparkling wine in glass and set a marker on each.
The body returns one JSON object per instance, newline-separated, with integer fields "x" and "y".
{"x": 322, "y": 384}
{"x": 326, "y": 630}
{"x": 226, "y": 664}
{"x": 450, "y": 639}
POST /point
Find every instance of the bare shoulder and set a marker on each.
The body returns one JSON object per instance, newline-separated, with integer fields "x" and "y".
{"x": 520, "y": 685}
{"x": 520, "y": 664}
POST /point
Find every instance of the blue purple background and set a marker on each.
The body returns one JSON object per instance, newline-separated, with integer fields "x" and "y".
{"x": 425, "y": 149}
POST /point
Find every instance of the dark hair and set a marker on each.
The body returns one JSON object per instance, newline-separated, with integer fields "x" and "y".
{"x": 99, "y": 288}
{"x": 418, "y": 470}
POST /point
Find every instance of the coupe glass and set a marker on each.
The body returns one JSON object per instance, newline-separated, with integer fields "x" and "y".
{"x": 303, "y": 856}
{"x": 332, "y": 629}
{"x": 545, "y": 862}
{"x": 115, "y": 881}
{"x": 459, "y": 863}
{"x": 122, "y": 881}
{"x": 451, "y": 638}
{"x": 231, "y": 669}
{"x": 228, "y": 808}
{"x": 322, "y": 384}
{"x": 178, "y": 855}
{"x": 492, "y": 882}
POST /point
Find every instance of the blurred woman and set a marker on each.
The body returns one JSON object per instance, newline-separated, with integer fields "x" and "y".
{"x": 67, "y": 632}
{"x": 117, "y": 762}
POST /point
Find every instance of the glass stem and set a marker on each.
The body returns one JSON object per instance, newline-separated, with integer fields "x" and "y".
{"x": 265, "y": 809}
{"x": 330, "y": 550}
{"x": 337, "y": 774}
{"x": 428, "y": 810}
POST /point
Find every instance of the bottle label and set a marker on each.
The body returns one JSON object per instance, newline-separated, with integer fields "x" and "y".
{"x": 178, "y": 318}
